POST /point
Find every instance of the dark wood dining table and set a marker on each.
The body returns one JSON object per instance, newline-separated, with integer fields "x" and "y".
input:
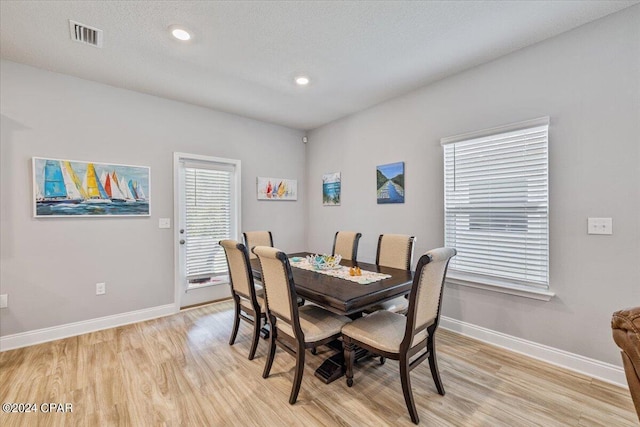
{"x": 344, "y": 297}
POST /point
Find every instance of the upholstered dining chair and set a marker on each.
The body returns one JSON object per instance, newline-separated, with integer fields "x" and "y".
{"x": 395, "y": 251}
{"x": 400, "y": 337}
{"x": 247, "y": 300}
{"x": 345, "y": 244}
{"x": 293, "y": 328}
{"x": 257, "y": 238}
{"x": 260, "y": 238}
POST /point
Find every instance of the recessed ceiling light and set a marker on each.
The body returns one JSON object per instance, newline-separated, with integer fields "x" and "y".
{"x": 180, "y": 33}
{"x": 302, "y": 80}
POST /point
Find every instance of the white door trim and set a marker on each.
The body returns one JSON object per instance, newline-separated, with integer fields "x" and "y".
{"x": 177, "y": 157}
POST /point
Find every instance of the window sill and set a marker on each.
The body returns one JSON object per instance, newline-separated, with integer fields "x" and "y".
{"x": 215, "y": 281}
{"x": 502, "y": 287}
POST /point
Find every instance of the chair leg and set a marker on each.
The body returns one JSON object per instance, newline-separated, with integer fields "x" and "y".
{"x": 264, "y": 331}
{"x": 382, "y": 360}
{"x": 257, "y": 321}
{"x": 433, "y": 364}
{"x": 406, "y": 389}
{"x": 297, "y": 379}
{"x": 272, "y": 348}
{"x": 314, "y": 350}
{"x": 236, "y": 320}
{"x": 349, "y": 356}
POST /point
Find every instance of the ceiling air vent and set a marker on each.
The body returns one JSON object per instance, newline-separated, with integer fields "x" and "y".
{"x": 85, "y": 34}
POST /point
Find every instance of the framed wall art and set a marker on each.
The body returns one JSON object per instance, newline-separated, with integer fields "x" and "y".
{"x": 71, "y": 188}
{"x": 390, "y": 183}
{"x": 277, "y": 189}
{"x": 331, "y": 186}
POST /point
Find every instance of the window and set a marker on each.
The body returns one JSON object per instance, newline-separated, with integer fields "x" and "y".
{"x": 497, "y": 208}
{"x": 209, "y": 216}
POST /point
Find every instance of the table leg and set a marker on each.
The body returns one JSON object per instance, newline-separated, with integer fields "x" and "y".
{"x": 333, "y": 367}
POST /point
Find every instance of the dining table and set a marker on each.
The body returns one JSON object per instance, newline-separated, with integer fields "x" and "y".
{"x": 343, "y": 297}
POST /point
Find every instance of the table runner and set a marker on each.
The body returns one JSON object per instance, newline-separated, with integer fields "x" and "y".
{"x": 366, "y": 278}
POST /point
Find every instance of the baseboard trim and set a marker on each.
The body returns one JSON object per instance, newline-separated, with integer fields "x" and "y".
{"x": 24, "y": 339}
{"x": 594, "y": 368}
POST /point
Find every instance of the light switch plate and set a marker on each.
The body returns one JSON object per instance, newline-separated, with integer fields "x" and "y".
{"x": 600, "y": 226}
{"x": 4, "y": 303}
{"x": 164, "y": 223}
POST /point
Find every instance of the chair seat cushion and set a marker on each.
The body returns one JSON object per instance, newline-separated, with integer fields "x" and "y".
{"x": 383, "y": 330}
{"x": 396, "y": 305}
{"x": 316, "y": 323}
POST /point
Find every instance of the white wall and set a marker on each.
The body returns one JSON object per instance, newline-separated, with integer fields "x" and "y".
{"x": 588, "y": 82}
{"x": 49, "y": 267}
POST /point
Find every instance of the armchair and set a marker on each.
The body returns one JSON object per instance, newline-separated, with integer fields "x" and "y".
{"x": 626, "y": 333}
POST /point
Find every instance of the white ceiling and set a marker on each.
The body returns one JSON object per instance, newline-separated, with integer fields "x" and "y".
{"x": 244, "y": 55}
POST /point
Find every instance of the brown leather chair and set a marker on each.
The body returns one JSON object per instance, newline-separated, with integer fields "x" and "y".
{"x": 626, "y": 333}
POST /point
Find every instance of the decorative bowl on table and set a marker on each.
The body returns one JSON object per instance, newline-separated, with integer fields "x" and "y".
{"x": 324, "y": 262}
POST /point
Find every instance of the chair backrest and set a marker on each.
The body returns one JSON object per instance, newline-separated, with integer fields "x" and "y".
{"x": 240, "y": 271}
{"x": 279, "y": 288}
{"x": 257, "y": 238}
{"x": 345, "y": 244}
{"x": 425, "y": 298}
{"x": 395, "y": 251}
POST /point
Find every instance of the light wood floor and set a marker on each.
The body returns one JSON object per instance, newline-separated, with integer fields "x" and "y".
{"x": 180, "y": 370}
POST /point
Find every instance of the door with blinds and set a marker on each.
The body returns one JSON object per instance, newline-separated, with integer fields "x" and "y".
{"x": 207, "y": 211}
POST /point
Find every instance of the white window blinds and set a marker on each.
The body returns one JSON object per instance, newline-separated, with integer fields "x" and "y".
{"x": 208, "y": 219}
{"x": 496, "y": 203}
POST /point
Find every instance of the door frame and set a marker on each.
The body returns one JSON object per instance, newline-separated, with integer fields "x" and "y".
{"x": 237, "y": 183}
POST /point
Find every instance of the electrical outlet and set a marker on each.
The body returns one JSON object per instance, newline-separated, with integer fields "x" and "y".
{"x": 4, "y": 301}
{"x": 600, "y": 226}
{"x": 101, "y": 288}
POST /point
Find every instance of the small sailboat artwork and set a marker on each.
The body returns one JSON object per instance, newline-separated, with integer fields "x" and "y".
{"x": 105, "y": 189}
{"x": 277, "y": 189}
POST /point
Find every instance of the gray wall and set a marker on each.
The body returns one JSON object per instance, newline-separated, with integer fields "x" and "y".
{"x": 49, "y": 267}
{"x": 588, "y": 82}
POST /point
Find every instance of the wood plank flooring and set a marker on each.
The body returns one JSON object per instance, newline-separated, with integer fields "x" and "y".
{"x": 180, "y": 371}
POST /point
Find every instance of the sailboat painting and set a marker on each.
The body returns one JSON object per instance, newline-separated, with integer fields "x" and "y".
{"x": 63, "y": 188}
{"x": 277, "y": 189}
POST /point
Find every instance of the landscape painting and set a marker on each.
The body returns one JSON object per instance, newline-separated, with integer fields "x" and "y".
{"x": 68, "y": 188}
{"x": 277, "y": 189}
{"x": 331, "y": 189}
{"x": 390, "y": 183}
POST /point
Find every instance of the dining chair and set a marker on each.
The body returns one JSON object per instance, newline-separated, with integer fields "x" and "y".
{"x": 400, "y": 337}
{"x": 247, "y": 300}
{"x": 395, "y": 251}
{"x": 260, "y": 238}
{"x": 257, "y": 238}
{"x": 293, "y": 328}
{"x": 345, "y": 244}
